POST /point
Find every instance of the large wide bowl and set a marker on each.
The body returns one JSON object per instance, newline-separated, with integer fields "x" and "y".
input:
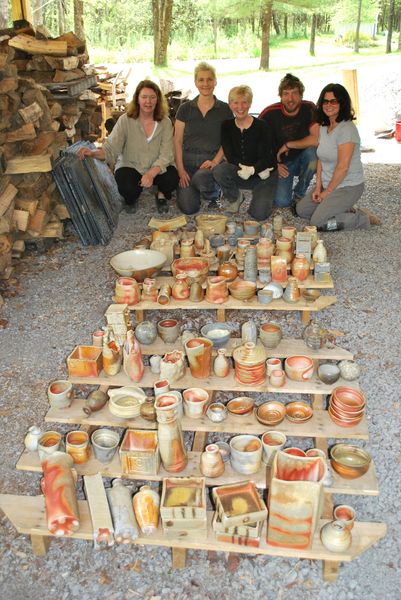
{"x": 138, "y": 264}
{"x": 298, "y": 368}
{"x": 211, "y": 224}
{"x": 242, "y": 290}
{"x": 218, "y": 333}
{"x": 349, "y": 461}
{"x": 196, "y": 268}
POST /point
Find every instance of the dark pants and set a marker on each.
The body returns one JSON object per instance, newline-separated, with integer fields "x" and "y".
{"x": 128, "y": 183}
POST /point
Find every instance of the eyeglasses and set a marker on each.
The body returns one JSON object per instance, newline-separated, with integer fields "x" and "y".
{"x": 332, "y": 101}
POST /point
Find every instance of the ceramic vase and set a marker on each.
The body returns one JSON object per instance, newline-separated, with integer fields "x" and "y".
{"x": 154, "y": 363}
{"x": 133, "y": 363}
{"x": 335, "y": 536}
{"x": 58, "y": 487}
{"x": 148, "y": 411}
{"x": 300, "y": 267}
{"x": 249, "y": 332}
{"x": 228, "y": 270}
{"x": 250, "y": 364}
{"x": 146, "y": 505}
{"x": 221, "y": 364}
{"x": 291, "y": 292}
{"x": 95, "y": 401}
{"x": 199, "y": 353}
{"x": 216, "y": 289}
{"x": 250, "y": 264}
{"x": 112, "y": 355}
{"x": 171, "y": 442}
{"x": 172, "y": 366}
{"x": 180, "y": 289}
{"x": 146, "y": 332}
{"x": 211, "y": 461}
{"x": 122, "y": 511}
{"x": 127, "y": 291}
{"x": 242, "y": 245}
{"x": 32, "y": 437}
{"x": 320, "y": 253}
{"x": 270, "y": 334}
{"x": 199, "y": 240}
{"x": 314, "y": 335}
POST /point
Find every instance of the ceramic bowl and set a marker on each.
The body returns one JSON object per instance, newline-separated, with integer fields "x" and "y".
{"x": 349, "y": 461}
{"x": 298, "y": 412}
{"x": 241, "y": 405}
{"x": 265, "y": 296}
{"x": 125, "y": 402}
{"x": 242, "y": 290}
{"x": 348, "y": 398}
{"x": 211, "y": 224}
{"x": 196, "y": 268}
{"x": 342, "y": 421}
{"x": 218, "y": 333}
{"x": 299, "y": 368}
{"x": 328, "y": 373}
{"x": 270, "y": 413}
{"x": 349, "y": 370}
{"x": 276, "y": 288}
{"x": 216, "y": 412}
{"x": 310, "y": 295}
{"x": 138, "y": 264}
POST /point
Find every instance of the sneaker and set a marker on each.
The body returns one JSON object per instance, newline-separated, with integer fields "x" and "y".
{"x": 215, "y": 204}
{"x": 130, "y": 209}
{"x": 331, "y": 225}
{"x": 233, "y": 207}
{"x": 162, "y": 205}
{"x": 373, "y": 219}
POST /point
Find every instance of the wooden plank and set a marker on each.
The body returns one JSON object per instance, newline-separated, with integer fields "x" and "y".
{"x": 367, "y": 485}
{"x": 28, "y": 516}
{"x": 33, "y": 46}
{"x": 29, "y": 164}
{"x": 308, "y": 283}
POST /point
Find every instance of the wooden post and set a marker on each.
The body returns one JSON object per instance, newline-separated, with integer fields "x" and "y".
{"x": 21, "y": 10}
{"x": 178, "y": 558}
{"x": 40, "y": 544}
{"x": 350, "y": 79}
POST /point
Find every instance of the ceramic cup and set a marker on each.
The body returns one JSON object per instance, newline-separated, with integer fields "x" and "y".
{"x": 345, "y": 513}
{"x": 59, "y": 393}
{"x": 270, "y": 334}
{"x": 277, "y": 378}
{"x": 223, "y": 253}
{"x": 77, "y": 446}
{"x": 97, "y": 338}
{"x": 105, "y": 443}
{"x": 162, "y": 386}
{"x": 272, "y": 364}
{"x": 216, "y": 412}
{"x": 169, "y": 330}
{"x": 48, "y": 443}
{"x": 154, "y": 362}
{"x": 271, "y": 442}
{"x": 246, "y": 454}
{"x": 195, "y": 402}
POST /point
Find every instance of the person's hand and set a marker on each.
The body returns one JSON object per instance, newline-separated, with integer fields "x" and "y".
{"x": 184, "y": 178}
{"x": 146, "y": 180}
{"x": 266, "y": 173}
{"x": 282, "y": 170}
{"x": 84, "y": 151}
{"x": 323, "y": 195}
{"x": 283, "y": 150}
{"x": 245, "y": 172}
{"x": 208, "y": 164}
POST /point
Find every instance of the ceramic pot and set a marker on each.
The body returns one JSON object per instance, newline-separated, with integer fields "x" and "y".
{"x": 32, "y": 438}
{"x": 314, "y": 335}
{"x": 59, "y": 393}
{"x": 216, "y": 290}
{"x": 320, "y": 253}
{"x": 164, "y": 294}
{"x": 349, "y": 370}
{"x": 270, "y": 335}
{"x": 335, "y": 536}
{"x": 264, "y": 249}
{"x": 171, "y": 442}
{"x": 277, "y": 378}
{"x": 246, "y": 454}
{"x": 199, "y": 353}
{"x": 172, "y": 366}
{"x": 300, "y": 267}
{"x": 223, "y": 253}
{"x": 168, "y": 330}
{"x": 228, "y": 270}
{"x": 249, "y": 362}
{"x": 265, "y": 296}
{"x": 249, "y": 332}
{"x": 59, "y": 489}
{"x": 299, "y": 368}
{"x": 180, "y": 289}
{"x": 48, "y": 443}
{"x": 77, "y": 446}
{"x": 127, "y": 291}
{"x": 148, "y": 411}
{"x": 132, "y": 358}
{"x": 286, "y": 255}
{"x": 216, "y": 412}
{"x": 346, "y": 514}
{"x": 105, "y": 443}
{"x": 196, "y": 292}
{"x": 196, "y": 268}
{"x": 279, "y": 269}
{"x": 283, "y": 243}
{"x": 119, "y": 497}
{"x": 251, "y": 228}
{"x": 146, "y": 505}
{"x": 211, "y": 461}
{"x": 95, "y": 401}
{"x": 289, "y": 232}
{"x": 265, "y": 274}
{"x": 187, "y": 249}
{"x": 111, "y": 353}
{"x": 161, "y": 386}
{"x": 211, "y": 224}
{"x": 272, "y": 441}
{"x": 291, "y": 292}
{"x": 149, "y": 290}
{"x": 221, "y": 364}
{"x": 196, "y": 401}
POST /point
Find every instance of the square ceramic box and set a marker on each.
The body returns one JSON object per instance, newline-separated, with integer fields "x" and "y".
{"x": 250, "y": 530}
{"x": 183, "y": 498}
{"x": 189, "y": 529}
{"x": 85, "y": 361}
{"x": 239, "y": 504}
{"x": 139, "y": 452}
{"x": 304, "y": 244}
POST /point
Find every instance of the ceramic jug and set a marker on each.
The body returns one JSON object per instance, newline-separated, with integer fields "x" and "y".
{"x": 146, "y": 504}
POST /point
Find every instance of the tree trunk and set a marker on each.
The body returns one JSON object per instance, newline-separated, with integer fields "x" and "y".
{"x": 61, "y": 17}
{"x": 312, "y": 35}
{"x": 266, "y": 24}
{"x": 276, "y": 23}
{"x": 215, "y": 30}
{"x": 4, "y": 11}
{"x": 286, "y": 26}
{"x": 399, "y": 39}
{"x": 79, "y": 19}
{"x": 162, "y": 11}
{"x": 358, "y": 25}
{"x": 390, "y": 26}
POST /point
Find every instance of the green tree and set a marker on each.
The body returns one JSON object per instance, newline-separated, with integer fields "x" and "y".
{"x": 162, "y": 11}
{"x": 390, "y": 26}
{"x": 358, "y": 25}
{"x": 266, "y": 19}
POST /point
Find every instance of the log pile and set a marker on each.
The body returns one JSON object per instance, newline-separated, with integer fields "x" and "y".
{"x": 36, "y": 122}
{"x": 112, "y": 96}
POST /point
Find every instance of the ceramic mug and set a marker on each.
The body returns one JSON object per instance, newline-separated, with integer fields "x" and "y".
{"x": 169, "y": 330}
{"x": 272, "y": 364}
{"x": 272, "y": 441}
{"x": 277, "y": 378}
{"x": 77, "y": 446}
{"x": 346, "y": 514}
{"x": 105, "y": 443}
{"x": 195, "y": 402}
{"x": 59, "y": 393}
{"x": 48, "y": 443}
{"x": 161, "y": 386}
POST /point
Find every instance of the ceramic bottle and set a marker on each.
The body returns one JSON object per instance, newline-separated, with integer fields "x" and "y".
{"x": 32, "y": 438}
{"x": 335, "y": 536}
{"x": 221, "y": 364}
{"x": 211, "y": 461}
{"x": 320, "y": 252}
{"x": 291, "y": 292}
{"x": 180, "y": 289}
{"x": 171, "y": 441}
{"x": 146, "y": 504}
{"x": 133, "y": 363}
{"x": 120, "y": 501}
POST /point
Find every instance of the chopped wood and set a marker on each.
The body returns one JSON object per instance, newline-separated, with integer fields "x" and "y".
{"x": 55, "y": 125}
{"x": 18, "y": 248}
{"x": 10, "y": 70}
{"x": 45, "y": 202}
{"x": 53, "y": 230}
{"x": 14, "y": 101}
{"x": 38, "y": 63}
{"x": 34, "y": 184}
{"x": 56, "y": 110}
{"x": 9, "y": 84}
{"x": 37, "y": 222}
{"x": 3, "y": 59}
{"x": 33, "y": 46}
{"x": 30, "y": 205}
{"x": 6, "y": 197}
{"x": 40, "y": 144}
{"x": 61, "y": 76}
{"x": 20, "y": 219}
{"x": 5, "y": 243}
{"x": 74, "y": 44}
{"x": 26, "y": 132}
{"x": 3, "y": 102}
{"x": 29, "y": 164}
{"x": 61, "y": 211}
{"x": 66, "y": 63}
{"x": 31, "y": 113}
{"x": 21, "y": 64}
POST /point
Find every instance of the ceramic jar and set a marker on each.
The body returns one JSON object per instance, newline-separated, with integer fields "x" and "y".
{"x": 59, "y": 393}
{"x": 181, "y": 288}
{"x": 299, "y": 368}
{"x": 250, "y": 264}
{"x": 95, "y": 401}
{"x": 172, "y": 366}
{"x": 216, "y": 289}
{"x": 221, "y": 364}
{"x": 187, "y": 249}
{"x": 148, "y": 411}
{"x": 32, "y": 437}
{"x": 199, "y": 354}
{"x": 246, "y": 454}
{"x": 335, "y": 536}
{"x": 97, "y": 338}
{"x": 279, "y": 269}
{"x": 223, "y": 253}
{"x": 320, "y": 253}
{"x": 291, "y": 292}
{"x": 49, "y": 443}
{"x": 149, "y": 290}
{"x": 127, "y": 291}
{"x": 132, "y": 358}
{"x": 249, "y": 332}
{"x": 146, "y": 332}
{"x": 168, "y": 330}
{"x": 164, "y": 294}
{"x": 195, "y": 402}
{"x": 249, "y": 362}
{"x": 300, "y": 267}
{"x": 146, "y": 505}
{"x": 161, "y": 386}
{"x": 349, "y": 370}
{"x": 314, "y": 335}
{"x": 283, "y": 243}
{"x": 169, "y": 432}
{"x": 277, "y": 378}
{"x": 264, "y": 250}
{"x": 111, "y": 353}
{"x": 59, "y": 489}
{"x": 228, "y": 270}
{"x": 211, "y": 461}
{"x": 346, "y": 514}
{"x": 270, "y": 334}
{"x": 105, "y": 443}
{"x": 77, "y": 446}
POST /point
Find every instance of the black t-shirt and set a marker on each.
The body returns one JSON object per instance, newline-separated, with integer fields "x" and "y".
{"x": 285, "y": 128}
{"x": 251, "y": 147}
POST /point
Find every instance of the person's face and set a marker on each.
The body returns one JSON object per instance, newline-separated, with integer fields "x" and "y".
{"x": 205, "y": 82}
{"x": 291, "y": 99}
{"x": 147, "y": 101}
{"x": 240, "y": 106}
{"x": 330, "y": 105}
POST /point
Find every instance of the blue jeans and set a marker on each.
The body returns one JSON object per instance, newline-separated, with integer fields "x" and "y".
{"x": 303, "y": 167}
{"x": 201, "y": 187}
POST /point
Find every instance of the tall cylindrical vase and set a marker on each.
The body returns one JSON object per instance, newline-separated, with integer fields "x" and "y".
{"x": 250, "y": 264}
{"x": 171, "y": 441}
{"x": 199, "y": 353}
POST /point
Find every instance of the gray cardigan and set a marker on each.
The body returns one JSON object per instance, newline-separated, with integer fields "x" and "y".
{"x": 127, "y": 145}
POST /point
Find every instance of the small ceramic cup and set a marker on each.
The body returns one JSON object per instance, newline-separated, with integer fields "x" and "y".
{"x": 59, "y": 393}
{"x": 272, "y": 441}
{"x": 195, "y": 402}
{"x": 162, "y": 386}
{"x": 223, "y": 253}
{"x": 277, "y": 378}
{"x": 77, "y": 446}
{"x": 48, "y": 443}
{"x": 105, "y": 443}
{"x": 345, "y": 513}
{"x": 154, "y": 362}
{"x": 97, "y": 338}
{"x": 216, "y": 412}
{"x": 272, "y": 364}
{"x": 169, "y": 330}
{"x": 265, "y": 296}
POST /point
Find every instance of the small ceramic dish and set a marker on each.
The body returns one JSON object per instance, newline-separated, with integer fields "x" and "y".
{"x": 328, "y": 373}
{"x": 218, "y": 333}
{"x": 349, "y": 461}
{"x": 310, "y": 295}
{"x": 298, "y": 412}
{"x": 270, "y": 413}
{"x": 276, "y": 288}
{"x": 240, "y": 406}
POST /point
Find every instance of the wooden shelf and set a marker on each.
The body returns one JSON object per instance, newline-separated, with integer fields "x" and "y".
{"x": 366, "y": 485}
{"x": 27, "y": 513}
{"x": 319, "y": 426}
{"x": 308, "y": 283}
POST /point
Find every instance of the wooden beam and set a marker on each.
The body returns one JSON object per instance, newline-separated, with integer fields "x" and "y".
{"x": 21, "y": 10}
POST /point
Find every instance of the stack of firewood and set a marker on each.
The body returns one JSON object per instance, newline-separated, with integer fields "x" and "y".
{"x": 35, "y": 124}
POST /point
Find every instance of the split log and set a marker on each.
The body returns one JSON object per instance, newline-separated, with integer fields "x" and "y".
{"x": 4, "y": 102}
{"x": 14, "y": 101}
{"x": 56, "y": 110}
{"x": 61, "y": 211}
{"x": 40, "y": 144}
{"x": 61, "y": 76}
{"x": 26, "y": 132}
{"x": 27, "y": 204}
{"x": 20, "y": 220}
{"x": 34, "y": 184}
{"x": 29, "y": 164}
{"x": 74, "y": 44}
{"x": 66, "y": 63}
{"x": 8, "y": 84}
{"x": 31, "y": 113}
{"x": 5, "y": 243}
{"x": 37, "y": 222}
{"x": 18, "y": 248}
{"x": 21, "y": 64}
{"x": 10, "y": 70}
{"x": 29, "y": 44}
{"x": 53, "y": 230}
{"x": 7, "y": 195}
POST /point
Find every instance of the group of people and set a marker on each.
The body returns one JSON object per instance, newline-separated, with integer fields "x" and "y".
{"x": 217, "y": 150}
